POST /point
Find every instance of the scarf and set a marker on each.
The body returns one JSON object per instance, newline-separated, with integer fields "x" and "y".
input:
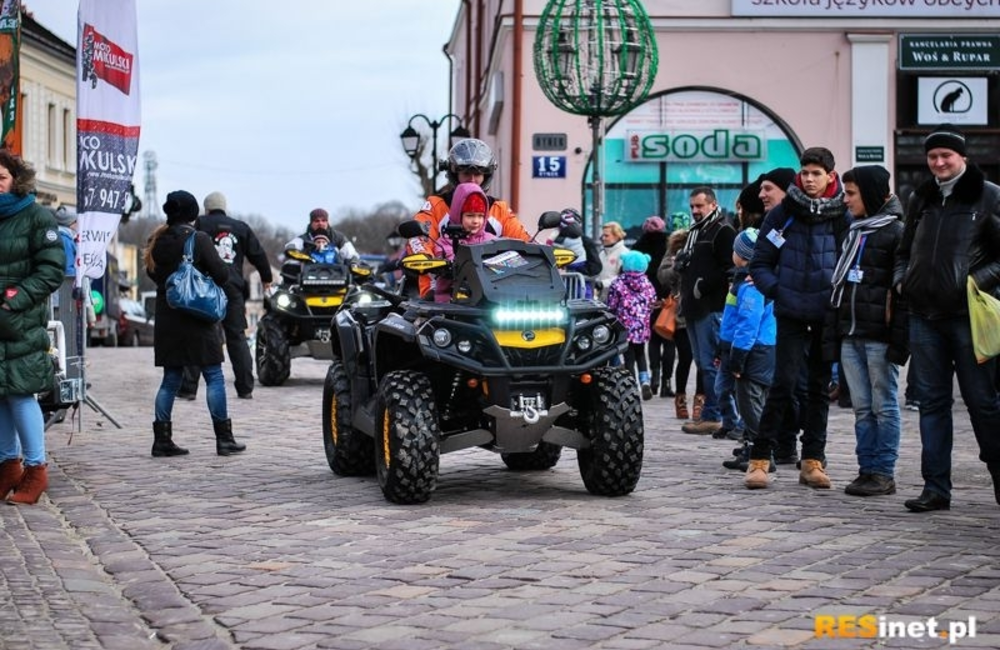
{"x": 849, "y": 251}
{"x": 697, "y": 227}
{"x": 11, "y": 204}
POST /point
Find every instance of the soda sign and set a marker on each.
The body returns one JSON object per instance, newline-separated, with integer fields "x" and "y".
{"x": 718, "y": 145}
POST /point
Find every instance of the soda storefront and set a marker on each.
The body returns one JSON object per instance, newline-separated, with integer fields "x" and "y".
{"x": 681, "y": 139}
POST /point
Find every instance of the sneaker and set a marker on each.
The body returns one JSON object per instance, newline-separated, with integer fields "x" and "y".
{"x": 873, "y": 485}
{"x": 702, "y": 427}
{"x": 855, "y": 485}
{"x": 740, "y": 460}
{"x": 647, "y": 392}
{"x": 723, "y": 433}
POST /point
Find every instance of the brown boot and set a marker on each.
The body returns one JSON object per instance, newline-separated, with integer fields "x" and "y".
{"x": 10, "y": 475}
{"x": 813, "y": 474}
{"x": 34, "y": 481}
{"x": 681, "y": 406}
{"x": 697, "y": 405}
{"x": 756, "y": 477}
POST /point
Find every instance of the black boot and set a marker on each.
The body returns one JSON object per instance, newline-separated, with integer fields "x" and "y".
{"x": 162, "y": 443}
{"x": 995, "y": 473}
{"x": 225, "y": 444}
{"x": 665, "y": 389}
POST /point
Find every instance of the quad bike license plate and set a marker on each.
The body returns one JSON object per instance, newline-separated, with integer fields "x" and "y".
{"x": 531, "y": 404}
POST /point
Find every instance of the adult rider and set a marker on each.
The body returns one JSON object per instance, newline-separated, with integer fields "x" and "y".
{"x": 469, "y": 161}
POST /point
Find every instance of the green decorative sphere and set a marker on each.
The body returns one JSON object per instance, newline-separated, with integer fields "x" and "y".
{"x": 595, "y": 57}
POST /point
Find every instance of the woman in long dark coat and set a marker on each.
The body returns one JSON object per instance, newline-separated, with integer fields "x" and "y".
{"x": 183, "y": 340}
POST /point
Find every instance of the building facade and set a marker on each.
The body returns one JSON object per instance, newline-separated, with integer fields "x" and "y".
{"x": 48, "y": 111}
{"x": 743, "y": 86}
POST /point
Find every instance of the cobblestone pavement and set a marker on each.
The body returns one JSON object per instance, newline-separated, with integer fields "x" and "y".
{"x": 269, "y": 550}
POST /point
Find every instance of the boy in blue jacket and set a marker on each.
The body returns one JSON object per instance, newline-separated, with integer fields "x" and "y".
{"x": 748, "y": 324}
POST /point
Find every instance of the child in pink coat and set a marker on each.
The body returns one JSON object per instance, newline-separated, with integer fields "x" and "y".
{"x": 631, "y": 298}
{"x": 469, "y": 207}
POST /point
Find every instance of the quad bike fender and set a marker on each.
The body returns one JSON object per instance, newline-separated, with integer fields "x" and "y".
{"x": 346, "y": 340}
{"x": 395, "y": 344}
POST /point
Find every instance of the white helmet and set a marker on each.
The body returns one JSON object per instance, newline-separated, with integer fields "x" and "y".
{"x": 468, "y": 155}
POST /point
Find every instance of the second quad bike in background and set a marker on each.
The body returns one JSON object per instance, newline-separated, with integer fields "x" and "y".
{"x": 298, "y": 312}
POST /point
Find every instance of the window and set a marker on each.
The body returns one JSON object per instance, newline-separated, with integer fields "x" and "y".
{"x": 53, "y": 140}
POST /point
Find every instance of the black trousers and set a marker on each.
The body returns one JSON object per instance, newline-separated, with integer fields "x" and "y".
{"x": 234, "y": 326}
{"x": 799, "y": 343}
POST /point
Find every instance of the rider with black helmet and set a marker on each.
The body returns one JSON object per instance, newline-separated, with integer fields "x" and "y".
{"x": 469, "y": 161}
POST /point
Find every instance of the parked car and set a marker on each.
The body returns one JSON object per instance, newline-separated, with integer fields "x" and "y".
{"x": 135, "y": 326}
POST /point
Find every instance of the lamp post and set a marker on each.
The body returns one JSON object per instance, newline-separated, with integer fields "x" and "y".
{"x": 414, "y": 144}
{"x": 596, "y": 58}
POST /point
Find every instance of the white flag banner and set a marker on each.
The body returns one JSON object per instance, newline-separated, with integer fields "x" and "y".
{"x": 108, "y": 116}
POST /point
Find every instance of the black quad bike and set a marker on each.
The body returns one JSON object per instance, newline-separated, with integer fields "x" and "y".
{"x": 296, "y": 322}
{"x": 509, "y": 365}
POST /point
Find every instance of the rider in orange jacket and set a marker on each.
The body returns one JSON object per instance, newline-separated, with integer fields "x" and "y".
{"x": 469, "y": 161}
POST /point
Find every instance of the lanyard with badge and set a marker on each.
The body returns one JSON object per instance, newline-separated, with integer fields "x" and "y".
{"x": 855, "y": 273}
{"x": 776, "y": 237}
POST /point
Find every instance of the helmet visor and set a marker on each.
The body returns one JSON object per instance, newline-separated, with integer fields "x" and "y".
{"x": 472, "y": 169}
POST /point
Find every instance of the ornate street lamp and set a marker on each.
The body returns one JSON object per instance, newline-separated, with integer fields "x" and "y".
{"x": 596, "y": 58}
{"x": 414, "y": 143}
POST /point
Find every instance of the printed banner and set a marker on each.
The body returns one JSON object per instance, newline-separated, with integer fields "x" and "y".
{"x": 866, "y": 8}
{"x": 10, "y": 46}
{"x": 107, "y": 125}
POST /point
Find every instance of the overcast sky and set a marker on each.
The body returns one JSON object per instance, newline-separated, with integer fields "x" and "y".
{"x": 283, "y": 106}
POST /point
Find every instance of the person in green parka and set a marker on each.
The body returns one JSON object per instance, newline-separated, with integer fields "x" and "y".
{"x": 32, "y": 266}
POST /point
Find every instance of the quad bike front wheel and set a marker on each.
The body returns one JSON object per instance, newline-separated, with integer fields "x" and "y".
{"x": 407, "y": 454}
{"x": 274, "y": 362}
{"x": 348, "y": 451}
{"x": 544, "y": 456}
{"x": 612, "y": 421}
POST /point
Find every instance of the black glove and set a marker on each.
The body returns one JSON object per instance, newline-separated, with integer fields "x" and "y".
{"x": 681, "y": 261}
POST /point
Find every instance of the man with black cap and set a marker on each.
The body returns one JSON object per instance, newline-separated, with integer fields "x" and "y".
{"x": 235, "y": 241}
{"x": 774, "y": 185}
{"x": 952, "y": 233}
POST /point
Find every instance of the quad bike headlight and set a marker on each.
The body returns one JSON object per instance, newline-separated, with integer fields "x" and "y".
{"x": 583, "y": 343}
{"x": 601, "y": 334}
{"x": 284, "y": 301}
{"x": 529, "y": 316}
{"x": 441, "y": 337}
{"x": 464, "y": 346}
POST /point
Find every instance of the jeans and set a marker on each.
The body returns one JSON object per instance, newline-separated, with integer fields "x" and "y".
{"x": 704, "y": 336}
{"x": 215, "y": 392}
{"x": 874, "y": 385}
{"x": 799, "y": 342}
{"x": 942, "y": 349}
{"x": 22, "y": 429}
{"x": 725, "y": 393}
{"x": 234, "y": 326}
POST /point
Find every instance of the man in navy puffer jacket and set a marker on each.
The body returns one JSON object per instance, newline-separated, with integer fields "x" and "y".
{"x": 793, "y": 265}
